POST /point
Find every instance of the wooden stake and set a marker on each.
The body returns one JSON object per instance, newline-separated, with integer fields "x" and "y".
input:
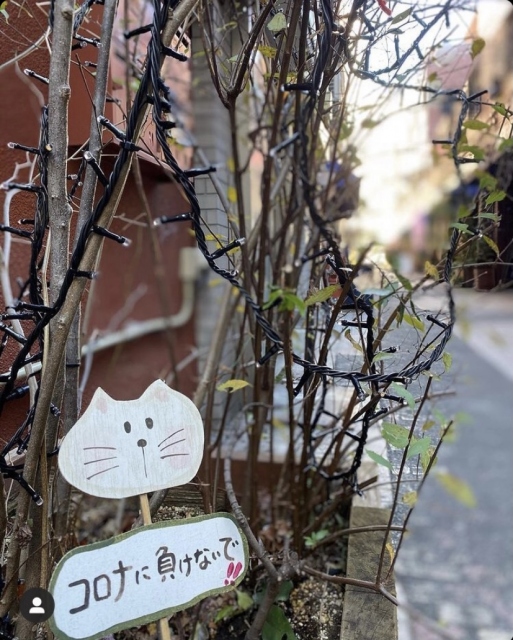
{"x": 163, "y": 626}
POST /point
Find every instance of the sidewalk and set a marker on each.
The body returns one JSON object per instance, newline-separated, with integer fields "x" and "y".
{"x": 456, "y": 566}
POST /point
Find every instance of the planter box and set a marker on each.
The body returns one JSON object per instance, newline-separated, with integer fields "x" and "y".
{"x": 367, "y": 614}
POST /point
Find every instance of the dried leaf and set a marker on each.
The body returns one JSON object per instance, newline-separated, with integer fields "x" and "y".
{"x": 491, "y": 244}
{"x": 410, "y": 498}
{"x": 457, "y": 488}
{"x": 232, "y": 194}
{"x": 477, "y": 46}
{"x": 268, "y": 52}
{"x": 233, "y": 385}
{"x": 447, "y": 360}
{"x": 431, "y": 270}
{"x": 348, "y": 336}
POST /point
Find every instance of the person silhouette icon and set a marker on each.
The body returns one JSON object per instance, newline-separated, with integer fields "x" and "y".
{"x": 36, "y": 606}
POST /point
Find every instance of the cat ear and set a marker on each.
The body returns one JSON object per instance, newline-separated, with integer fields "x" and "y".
{"x": 158, "y": 390}
{"x": 100, "y": 400}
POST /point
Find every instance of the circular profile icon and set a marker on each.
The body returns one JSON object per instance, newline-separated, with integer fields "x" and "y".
{"x": 37, "y": 605}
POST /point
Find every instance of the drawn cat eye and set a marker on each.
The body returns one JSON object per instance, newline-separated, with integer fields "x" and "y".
{"x": 149, "y": 423}
{"x": 128, "y": 427}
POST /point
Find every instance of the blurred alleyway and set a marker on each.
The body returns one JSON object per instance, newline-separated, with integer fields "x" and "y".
{"x": 456, "y": 565}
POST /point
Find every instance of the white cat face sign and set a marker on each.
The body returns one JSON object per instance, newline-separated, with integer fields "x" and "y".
{"x": 125, "y": 448}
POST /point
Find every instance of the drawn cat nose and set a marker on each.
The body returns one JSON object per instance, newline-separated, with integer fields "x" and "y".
{"x": 141, "y": 443}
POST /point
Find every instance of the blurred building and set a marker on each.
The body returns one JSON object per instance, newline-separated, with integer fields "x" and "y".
{"x": 486, "y": 150}
{"x": 138, "y": 315}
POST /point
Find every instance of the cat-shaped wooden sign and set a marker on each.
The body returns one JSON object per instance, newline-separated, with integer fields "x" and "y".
{"x": 125, "y": 448}
{"x": 119, "y": 449}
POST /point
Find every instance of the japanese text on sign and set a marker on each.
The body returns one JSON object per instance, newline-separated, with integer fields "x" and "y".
{"x": 145, "y": 574}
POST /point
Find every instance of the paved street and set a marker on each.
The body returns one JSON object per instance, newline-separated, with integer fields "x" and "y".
{"x": 456, "y": 566}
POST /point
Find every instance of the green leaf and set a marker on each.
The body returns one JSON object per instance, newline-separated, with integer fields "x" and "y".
{"x": 278, "y": 23}
{"x": 459, "y": 225}
{"x": 395, "y": 435}
{"x": 491, "y": 244}
{"x": 477, "y": 46}
{"x": 431, "y": 270}
{"x": 476, "y": 151}
{"x": 475, "y": 125}
{"x": 284, "y": 591}
{"x": 369, "y": 123}
{"x": 379, "y": 459}
{"x": 291, "y": 301}
{"x": 428, "y": 424}
{"x": 447, "y": 360}
{"x": 233, "y": 385}
{"x": 244, "y": 600}
{"x": 403, "y": 393}
{"x": 276, "y": 626}
{"x": 275, "y": 294}
{"x": 506, "y": 143}
{"x": 315, "y": 537}
{"x": 404, "y": 281}
{"x": 226, "y": 613}
{"x": 322, "y": 295}
{"x": 425, "y": 458}
{"x": 500, "y": 108}
{"x": 410, "y": 498}
{"x": 432, "y": 76}
{"x": 490, "y": 216}
{"x": 461, "y": 417}
{"x": 457, "y": 488}
{"x": 450, "y": 434}
{"x": 268, "y": 52}
{"x": 443, "y": 420}
{"x": 383, "y": 355}
{"x": 348, "y": 336}
{"x": 495, "y": 196}
{"x": 418, "y": 446}
{"x": 463, "y": 212}
{"x": 402, "y": 16}
{"x": 413, "y": 321}
{"x": 487, "y": 181}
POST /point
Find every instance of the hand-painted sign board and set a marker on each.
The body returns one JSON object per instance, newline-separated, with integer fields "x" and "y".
{"x": 119, "y": 449}
{"x": 145, "y": 574}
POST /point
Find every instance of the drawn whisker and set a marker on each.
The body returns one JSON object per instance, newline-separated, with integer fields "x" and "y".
{"x": 104, "y": 471}
{"x": 89, "y": 448}
{"x": 173, "y": 434}
{"x": 172, "y": 455}
{"x": 100, "y": 460}
{"x": 172, "y": 444}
